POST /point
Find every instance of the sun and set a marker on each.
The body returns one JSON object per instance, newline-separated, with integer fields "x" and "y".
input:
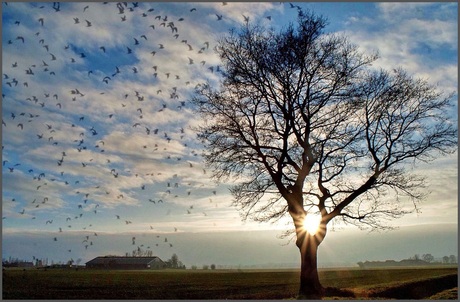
{"x": 311, "y": 223}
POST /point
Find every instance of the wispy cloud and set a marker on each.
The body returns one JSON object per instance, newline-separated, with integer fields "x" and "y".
{"x": 97, "y": 117}
{"x": 103, "y": 95}
{"x": 415, "y": 36}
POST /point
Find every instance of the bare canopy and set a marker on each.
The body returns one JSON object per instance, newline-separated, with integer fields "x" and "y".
{"x": 305, "y": 125}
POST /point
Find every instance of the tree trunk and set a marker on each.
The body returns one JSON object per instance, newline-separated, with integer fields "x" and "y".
{"x": 310, "y": 287}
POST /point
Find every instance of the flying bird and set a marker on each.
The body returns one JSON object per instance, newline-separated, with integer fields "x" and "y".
{"x": 56, "y": 6}
{"x": 76, "y": 132}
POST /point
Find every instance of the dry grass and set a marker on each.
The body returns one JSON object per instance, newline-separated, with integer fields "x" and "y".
{"x": 448, "y": 294}
{"x": 218, "y": 284}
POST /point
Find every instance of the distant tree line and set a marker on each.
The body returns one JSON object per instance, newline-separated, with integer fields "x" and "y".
{"x": 449, "y": 259}
{"x": 452, "y": 259}
{"x": 416, "y": 260}
{"x": 205, "y": 267}
{"x": 39, "y": 263}
{"x": 16, "y": 262}
{"x": 174, "y": 262}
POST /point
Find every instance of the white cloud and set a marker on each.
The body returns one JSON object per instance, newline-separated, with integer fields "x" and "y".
{"x": 395, "y": 10}
{"x": 404, "y": 38}
{"x": 142, "y": 159}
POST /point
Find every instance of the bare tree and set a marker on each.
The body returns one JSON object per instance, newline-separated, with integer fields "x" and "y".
{"x": 428, "y": 258}
{"x": 174, "y": 261}
{"x": 305, "y": 126}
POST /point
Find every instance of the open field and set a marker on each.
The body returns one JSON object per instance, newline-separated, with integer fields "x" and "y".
{"x": 410, "y": 283}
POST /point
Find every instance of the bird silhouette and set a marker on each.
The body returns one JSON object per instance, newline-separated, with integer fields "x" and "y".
{"x": 73, "y": 140}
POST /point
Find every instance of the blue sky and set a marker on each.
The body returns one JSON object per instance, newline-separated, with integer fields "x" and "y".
{"x": 84, "y": 144}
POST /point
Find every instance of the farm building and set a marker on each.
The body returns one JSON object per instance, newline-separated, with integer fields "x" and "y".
{"x": 113, "y": 262}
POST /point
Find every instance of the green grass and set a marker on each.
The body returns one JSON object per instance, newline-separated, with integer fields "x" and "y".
{"x": 188, "y": 284}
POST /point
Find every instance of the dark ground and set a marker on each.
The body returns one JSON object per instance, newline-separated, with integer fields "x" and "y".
{"x": 65, "y": 284}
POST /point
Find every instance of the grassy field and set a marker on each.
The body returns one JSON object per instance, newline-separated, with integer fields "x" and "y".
{"x": 226, "y": 284}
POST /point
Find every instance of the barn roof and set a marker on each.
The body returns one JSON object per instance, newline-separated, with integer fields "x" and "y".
{"x": 123, "y": 260}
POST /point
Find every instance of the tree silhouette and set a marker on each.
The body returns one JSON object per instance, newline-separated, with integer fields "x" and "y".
{"x": 304, "y": 125}
{"x": 174, "y": 261}
{"x": 428, "y": 258}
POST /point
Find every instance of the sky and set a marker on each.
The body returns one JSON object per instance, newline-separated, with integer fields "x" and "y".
{"x": 99, "y": 155}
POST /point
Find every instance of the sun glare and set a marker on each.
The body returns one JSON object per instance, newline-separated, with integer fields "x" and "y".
{"x": 311, "y": 223}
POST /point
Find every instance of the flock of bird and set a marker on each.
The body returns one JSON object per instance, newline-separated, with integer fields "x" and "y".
{"x": 78, "y": 149}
